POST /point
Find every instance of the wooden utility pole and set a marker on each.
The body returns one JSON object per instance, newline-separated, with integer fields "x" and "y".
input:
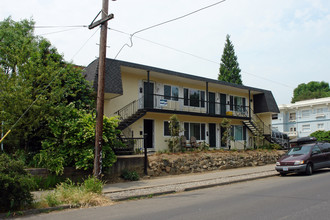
{"x": 100, "y": 88}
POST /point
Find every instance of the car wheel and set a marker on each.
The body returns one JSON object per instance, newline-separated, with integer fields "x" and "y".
{"x": 309, "y": 169}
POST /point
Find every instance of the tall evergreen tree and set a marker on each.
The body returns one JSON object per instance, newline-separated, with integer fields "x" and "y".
{"x": 229, "y": 67}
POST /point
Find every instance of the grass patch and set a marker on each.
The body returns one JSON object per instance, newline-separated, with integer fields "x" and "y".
{"x": 88, "y": 193}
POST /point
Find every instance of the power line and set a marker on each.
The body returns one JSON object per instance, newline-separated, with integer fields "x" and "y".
{"x": 180, "y": 17}
{"x": 201, "y": 58}
{"x": 67, "y": 26}
{"x": 166, "y": 22}
{"x": 267, "y": 79}
{"x": 168, "y": 47}
{"x": 56, "y": 32}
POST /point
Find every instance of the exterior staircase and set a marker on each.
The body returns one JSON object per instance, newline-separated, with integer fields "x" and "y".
{"x": 258, "y": 128}
{"x": 124, "y": 123}
{"x": 130, "y": 114}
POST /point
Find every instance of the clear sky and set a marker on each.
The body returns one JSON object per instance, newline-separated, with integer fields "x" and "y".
{"x": 279, "y": 43}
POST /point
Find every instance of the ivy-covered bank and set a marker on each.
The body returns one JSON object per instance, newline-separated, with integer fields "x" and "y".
{"x": 194, "y": 162}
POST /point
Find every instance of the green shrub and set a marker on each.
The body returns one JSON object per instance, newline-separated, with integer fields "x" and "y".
{"x": 73, "y": 141}
{"x": 89, "y": 193}
{"x": 15, "y": 184}
{"x": 93, "y": 185}
{"x": 130, "y": 175}
{"x": 49, "y": 182}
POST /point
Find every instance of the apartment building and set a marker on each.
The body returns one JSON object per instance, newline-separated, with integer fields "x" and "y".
{"x": 145, "y": 98}
{"x": 302, "y": 118}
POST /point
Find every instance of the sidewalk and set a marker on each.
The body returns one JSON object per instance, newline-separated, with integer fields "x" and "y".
{"x": 178, "y": 183}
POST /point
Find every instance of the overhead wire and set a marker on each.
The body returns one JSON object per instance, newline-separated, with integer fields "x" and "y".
{"x": 56, "y": 32}
{"x": 201, "y": 58}
{"x": 58, "y": 26}
{"x": 166, "y": 22}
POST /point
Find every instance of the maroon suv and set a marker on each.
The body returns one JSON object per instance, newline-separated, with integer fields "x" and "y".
{"x": 305, "y": 158}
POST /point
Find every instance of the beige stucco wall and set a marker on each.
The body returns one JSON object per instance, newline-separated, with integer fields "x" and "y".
{"x": 130, "y": 94}
{"x": 159, "y": 140}
{"x": 267, "y": 119}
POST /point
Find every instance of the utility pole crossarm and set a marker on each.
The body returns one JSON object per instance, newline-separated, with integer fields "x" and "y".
{"x": 99, "y": 22}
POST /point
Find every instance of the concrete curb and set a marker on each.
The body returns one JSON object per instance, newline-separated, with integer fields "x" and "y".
{"x": 227, "y": 183}
{"x": 197, "y": 184}
{"x": 34, "y": 211}
{"x": 248, "y": 177}
{"x": 185, "y": 182}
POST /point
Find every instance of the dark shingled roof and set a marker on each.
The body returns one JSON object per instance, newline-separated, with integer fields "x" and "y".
{"x": 113, "y": 82}
{"x": 264, "y": 101}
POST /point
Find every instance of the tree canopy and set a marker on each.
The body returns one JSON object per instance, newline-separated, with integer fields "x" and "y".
{"x": 229, "y": 67}
{"x": 32, "y": 71}
{"x": 311, "y": 90}
{"x": 321, "y": 135}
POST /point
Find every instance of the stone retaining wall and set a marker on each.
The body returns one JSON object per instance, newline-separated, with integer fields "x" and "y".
{"x": 179, "y": 163}
{"x": 171, "y": 164}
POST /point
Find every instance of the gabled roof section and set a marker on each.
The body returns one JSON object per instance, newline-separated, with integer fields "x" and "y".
{"x": 113, "y": 84}
{"x": 265, "y": 102}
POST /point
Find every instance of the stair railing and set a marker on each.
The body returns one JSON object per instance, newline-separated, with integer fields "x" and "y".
{"x": 129, "y": 109}
{"x": 260, "y": 124}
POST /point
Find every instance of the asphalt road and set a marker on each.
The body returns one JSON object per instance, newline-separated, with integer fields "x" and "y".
{"x": 290, "y": 197}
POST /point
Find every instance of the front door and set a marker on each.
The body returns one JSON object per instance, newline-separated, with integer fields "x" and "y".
{"x": 148, "y": 95}
{"x": 223, "y": 104}
{"x": 148, "y": 128}
{"x": 212, "y": 135}
{"x": 211, "y": 103}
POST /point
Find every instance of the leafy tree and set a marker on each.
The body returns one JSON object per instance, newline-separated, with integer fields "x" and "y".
{"x": 226, "y": 135}
{"x": 321, "y": 135}
{"x": 72, "y": 141}
{"x": 175, "y": 129}
{"x": 32, "y": 71}
{"x": 311, "y": 90}
{"x": 229, "y": 67}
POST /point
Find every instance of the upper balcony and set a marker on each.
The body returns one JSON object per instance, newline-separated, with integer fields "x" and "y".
{"x": 179, "y": 105}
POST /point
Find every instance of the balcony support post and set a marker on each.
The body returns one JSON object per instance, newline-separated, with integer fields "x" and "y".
{"x": 207, "y": 97}
{"x": 250, "y": 104}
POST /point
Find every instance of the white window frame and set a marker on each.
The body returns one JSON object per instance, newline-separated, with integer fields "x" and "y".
{"x": 200, "y": 130}
{"x": 305, "y": 113}
{"x": 320, "y": 126}
{"x": 292, "y": 116}
{"x": 200, "y": 99}
{"x": 306, "y": 128}
{"x": 173, "y": 97}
